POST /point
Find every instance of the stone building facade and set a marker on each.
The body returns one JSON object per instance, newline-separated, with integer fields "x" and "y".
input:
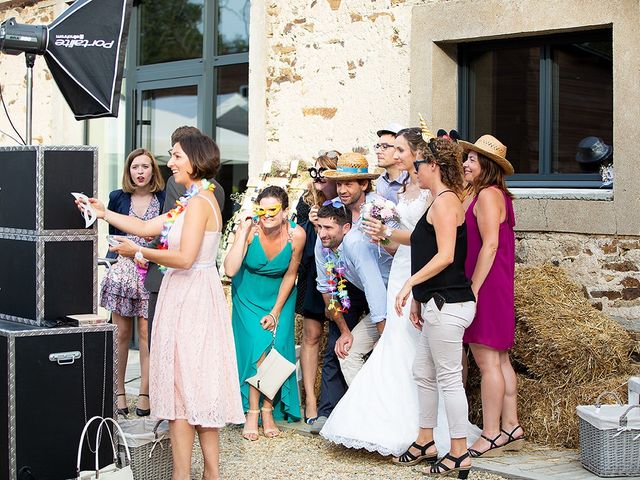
{"x": 329, "y": 73}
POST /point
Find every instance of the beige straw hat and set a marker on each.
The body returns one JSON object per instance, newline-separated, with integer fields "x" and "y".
{"x": 492, "y": 148}
{"x": 353, "y": 166}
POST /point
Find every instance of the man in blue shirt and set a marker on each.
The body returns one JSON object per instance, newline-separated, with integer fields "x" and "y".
{"x": 366, "y": 269}
{"x": 391, "y": 181}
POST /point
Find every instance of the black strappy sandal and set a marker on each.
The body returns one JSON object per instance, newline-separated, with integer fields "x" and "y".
{"x": 122, "y": 411}
{"x": 407, "y": 459}
{"x": 442, "y": 469}
{"x": 139, "y": 411}
{"x": 514, "y": 444}
{"x": 494, "y": 450}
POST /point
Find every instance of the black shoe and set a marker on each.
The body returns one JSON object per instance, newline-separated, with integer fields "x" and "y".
{"x": 408, "y": 459}
{"x": 122, "y": 411}
{"x": 494, "y": 449}
{"x": 442, "y": 469}
{"x": 139, "y": 411}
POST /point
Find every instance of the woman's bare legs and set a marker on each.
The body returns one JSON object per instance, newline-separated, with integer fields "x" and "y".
{"x": 143, "y": 338}
{"x": 210, "y": 445}
{"x": 182, "y": 437}
{"x": 311, "y": 335}
{"x": 124, "y": 337}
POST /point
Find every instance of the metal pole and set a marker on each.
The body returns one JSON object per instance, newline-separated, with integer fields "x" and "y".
{"x": 30, "y": 59}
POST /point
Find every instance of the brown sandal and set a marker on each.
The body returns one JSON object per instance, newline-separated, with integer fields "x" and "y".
{"x": 247, "y": 434}
{"x": 269, "y": 432}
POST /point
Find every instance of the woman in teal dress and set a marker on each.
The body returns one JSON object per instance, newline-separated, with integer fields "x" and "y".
{"x": 263, "y": 264}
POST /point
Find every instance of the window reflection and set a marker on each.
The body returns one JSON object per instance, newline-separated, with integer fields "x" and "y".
{"x": 504, "y": 99}
{"x": 164, "y": 110}
{"x": 232, "y": 129}
{"x": 233, "y": 26}
{"x": 171, "y": 30}
{"x": 583, "y": 73}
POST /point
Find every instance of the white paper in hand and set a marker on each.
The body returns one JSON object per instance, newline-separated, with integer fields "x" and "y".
{"x": 88, "y": 212}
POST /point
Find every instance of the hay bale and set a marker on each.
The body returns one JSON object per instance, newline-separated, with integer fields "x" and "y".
{"x": 548, "y": 410}
{"x": 560, "y": 335}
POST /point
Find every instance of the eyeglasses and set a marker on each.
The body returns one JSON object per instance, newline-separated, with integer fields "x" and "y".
{"x": 328, "y": 153}
{"x": 269, "y": 211}
{"x": 316, "y": 174}
{"x": 417, "y": 163}
{"x": 383, "y": 146}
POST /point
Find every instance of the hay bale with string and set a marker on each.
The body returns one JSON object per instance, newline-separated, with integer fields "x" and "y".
{"x": 547, "y": 410}
{"x": 560, "y": 336}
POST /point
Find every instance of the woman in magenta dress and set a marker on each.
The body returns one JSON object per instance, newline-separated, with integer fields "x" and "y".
{"x": 490, "y": 265}
{"x": 193, "y": 372}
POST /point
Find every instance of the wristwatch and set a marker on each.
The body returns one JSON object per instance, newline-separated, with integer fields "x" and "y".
{"x": 139, "y": 257}
{"x": 388, "y": 231}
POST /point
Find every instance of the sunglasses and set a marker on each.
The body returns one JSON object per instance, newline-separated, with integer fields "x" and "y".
{"x": 268, "y": 212}
{"x": 328, "y": 153}
{"x": 383, "y": 146}
{"x": 317, "y": 174}
{"x": 417, "y": 163}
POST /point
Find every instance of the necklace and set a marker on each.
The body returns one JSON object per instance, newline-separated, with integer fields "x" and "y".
{"x": 335, "y": 269}
{"x": 175, "y": 212}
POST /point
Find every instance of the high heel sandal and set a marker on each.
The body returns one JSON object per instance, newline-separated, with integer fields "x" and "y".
{"x": 122, "y": 411}
{"x": 140, "y": 412}
{"x": 442, "y": 469}
{"x": 408, "y": 459}
{"x": 251, "y": 435}
{"x": 269, "y": 432}
{"x": 514, "y": 444}
{"x": 494, "y": 449}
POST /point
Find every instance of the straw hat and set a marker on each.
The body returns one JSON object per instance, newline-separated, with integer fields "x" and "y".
{"x": 353, "y": 166}
{"x": 492, "y": 148}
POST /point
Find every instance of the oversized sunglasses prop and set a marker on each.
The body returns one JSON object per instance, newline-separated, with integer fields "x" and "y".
{"x": 317, "y": 174}
{"x": 88, "y": 212}
{"x": 268, "y": 212}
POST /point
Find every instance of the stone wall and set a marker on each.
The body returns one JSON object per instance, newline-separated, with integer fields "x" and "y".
{"x": 607, "y": 267}
{"x": 53, "y": 122}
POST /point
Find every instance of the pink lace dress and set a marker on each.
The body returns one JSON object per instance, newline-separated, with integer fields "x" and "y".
{"x": 193, "y": 371}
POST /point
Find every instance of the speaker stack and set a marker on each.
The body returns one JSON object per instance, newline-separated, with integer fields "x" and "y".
{"x": 52, "y": 380}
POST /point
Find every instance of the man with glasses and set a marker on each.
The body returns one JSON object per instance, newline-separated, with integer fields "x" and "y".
{"x": 392, "y": 180}
{"x": 365, "y": 269}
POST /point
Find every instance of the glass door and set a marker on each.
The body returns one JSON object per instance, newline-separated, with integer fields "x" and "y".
{"x": 163, "y": 106}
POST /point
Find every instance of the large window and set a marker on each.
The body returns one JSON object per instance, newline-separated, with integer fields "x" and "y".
{"x": 541, "y": 96}
{"x": 187, "y": 64}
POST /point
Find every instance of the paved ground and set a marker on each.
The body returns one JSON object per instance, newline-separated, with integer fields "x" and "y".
{"x": 297, "y": 454}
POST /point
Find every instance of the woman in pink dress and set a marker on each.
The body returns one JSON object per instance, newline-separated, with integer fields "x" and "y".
{"x": 490, "y": 265}
{"x": 193, "y": 372}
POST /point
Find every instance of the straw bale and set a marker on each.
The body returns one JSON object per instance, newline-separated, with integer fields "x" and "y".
{"x": 548, "y": 410}
{"x": 560, "y": 335}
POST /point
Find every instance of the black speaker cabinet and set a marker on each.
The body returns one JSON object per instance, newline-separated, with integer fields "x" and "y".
{"x": 52, "y": 381}
{"x": 36, "y": 185}
{"x": 45, "y": 277}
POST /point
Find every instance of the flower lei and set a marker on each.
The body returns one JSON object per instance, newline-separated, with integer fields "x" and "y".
{"x": 335, "y": 269}
{"x": 172, "y": 215}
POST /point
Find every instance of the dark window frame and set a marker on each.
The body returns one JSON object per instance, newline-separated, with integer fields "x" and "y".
{"x": 544, "y": 42}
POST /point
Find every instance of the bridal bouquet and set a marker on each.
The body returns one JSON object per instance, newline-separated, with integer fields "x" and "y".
{"x": 383, "y": 210}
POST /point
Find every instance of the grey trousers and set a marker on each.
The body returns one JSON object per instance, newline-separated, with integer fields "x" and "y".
{"x": 439, "y": 362}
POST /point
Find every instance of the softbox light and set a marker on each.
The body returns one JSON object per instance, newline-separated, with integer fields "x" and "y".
{"x": 85, "y": 53}
{"x": 84, "y": 49}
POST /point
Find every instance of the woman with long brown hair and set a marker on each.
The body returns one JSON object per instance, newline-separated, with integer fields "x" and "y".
{"x": 491, "y": 267}
{"x": 443, "y": 306}
{"x": 309, "y": 302}
{"x": 122, "y": 291}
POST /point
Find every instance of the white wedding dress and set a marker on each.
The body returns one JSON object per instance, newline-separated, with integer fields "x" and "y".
{"x": 379, "y": 411}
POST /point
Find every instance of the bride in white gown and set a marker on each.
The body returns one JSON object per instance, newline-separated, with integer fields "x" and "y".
{"x": 379, "y": 411}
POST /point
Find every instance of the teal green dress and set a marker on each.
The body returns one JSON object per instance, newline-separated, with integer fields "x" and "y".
{"x": 254, "y": 292}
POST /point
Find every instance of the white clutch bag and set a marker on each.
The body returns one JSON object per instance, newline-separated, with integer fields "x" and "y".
{"x": 272, "y": 372}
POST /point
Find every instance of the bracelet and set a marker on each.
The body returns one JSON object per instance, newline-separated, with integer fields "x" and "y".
{"x": 275, "y": 320}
